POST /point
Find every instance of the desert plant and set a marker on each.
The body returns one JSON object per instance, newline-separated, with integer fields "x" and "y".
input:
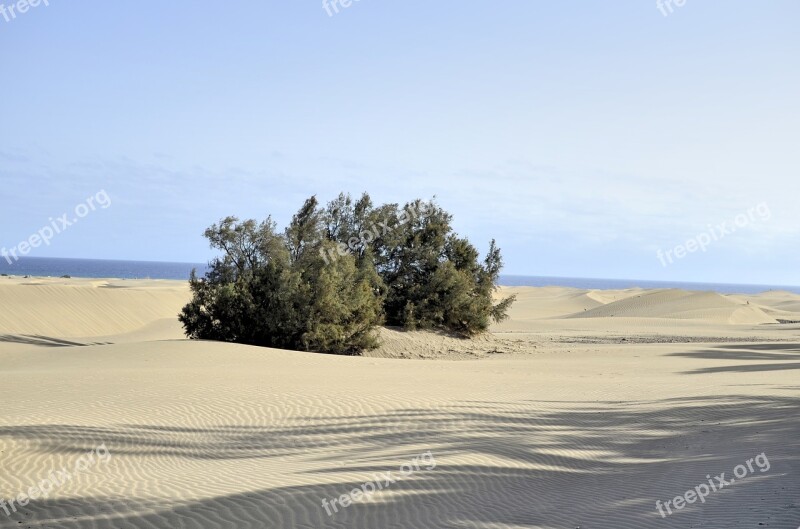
{"x": 335, "y": 273}
{"x": 274, "y": 290}
{"x": 432, "y": 277}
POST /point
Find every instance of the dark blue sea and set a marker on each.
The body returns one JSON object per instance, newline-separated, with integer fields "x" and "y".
{"x": 52, "y": 267}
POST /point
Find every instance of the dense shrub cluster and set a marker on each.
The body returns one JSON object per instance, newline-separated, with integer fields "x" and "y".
{"x": 338, "y": 272}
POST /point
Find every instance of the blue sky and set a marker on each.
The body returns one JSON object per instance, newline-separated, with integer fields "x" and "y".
{"x": 583, "y": 136}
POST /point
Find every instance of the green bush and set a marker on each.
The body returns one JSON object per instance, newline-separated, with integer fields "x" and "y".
{"x": 273, "y": 290}
{"x": 336, "y": 273}
{"x": 433, "y": 278}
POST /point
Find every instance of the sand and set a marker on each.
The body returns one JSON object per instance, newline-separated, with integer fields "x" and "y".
{"x": 584, "y": 409}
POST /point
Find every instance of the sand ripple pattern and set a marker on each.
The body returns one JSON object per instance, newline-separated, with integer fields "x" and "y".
{"x": 220, "y": 436}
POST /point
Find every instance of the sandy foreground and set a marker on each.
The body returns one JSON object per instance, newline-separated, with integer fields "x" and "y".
{"x": 581, "y": 411}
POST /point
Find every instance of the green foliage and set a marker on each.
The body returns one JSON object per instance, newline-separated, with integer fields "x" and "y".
{"x": 272, "y": 290}
{"x": 432, "y": 278}
{"x": 338, "y": 272}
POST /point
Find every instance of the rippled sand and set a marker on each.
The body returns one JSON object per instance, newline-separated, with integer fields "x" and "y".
{"x": 572, "y": 414}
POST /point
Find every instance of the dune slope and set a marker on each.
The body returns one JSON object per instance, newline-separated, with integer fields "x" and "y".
{"x": 197, "y": 434}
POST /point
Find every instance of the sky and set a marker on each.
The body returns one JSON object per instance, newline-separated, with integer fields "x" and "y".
{"x": 585, "y": 137}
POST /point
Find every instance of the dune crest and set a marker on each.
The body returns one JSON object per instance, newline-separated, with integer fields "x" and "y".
{"x": 87, "y": 307}
{"x": 559, "y": 418}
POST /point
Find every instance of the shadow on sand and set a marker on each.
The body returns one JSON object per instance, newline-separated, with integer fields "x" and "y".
{"x": 46, "y": 341}
{"x": 787, "y": 353}
{"x": 544, "y": 464}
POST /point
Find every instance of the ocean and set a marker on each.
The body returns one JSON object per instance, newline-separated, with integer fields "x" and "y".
{"x": 98, "y": 268}
{"x": 54, "y": 267}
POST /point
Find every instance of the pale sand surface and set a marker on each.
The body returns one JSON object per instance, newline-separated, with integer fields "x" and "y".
{"x": 581, "y": 411}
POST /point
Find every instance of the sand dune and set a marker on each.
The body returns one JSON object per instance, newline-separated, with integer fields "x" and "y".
{"x": 83, "y": 308}
{"x": 784, "y": 305}
{"x": 536, "y": 431}
{"x": 673, "y": 303}
{"x": 548, "y": 302}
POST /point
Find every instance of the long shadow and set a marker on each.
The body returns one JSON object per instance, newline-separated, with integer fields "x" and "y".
{"x": 599, "y": 465}
{"x": 788, "y": 347}
{"x": 747, "y": 368}
{"x": 46, "y": 341}
{"x": 788, "y": 353}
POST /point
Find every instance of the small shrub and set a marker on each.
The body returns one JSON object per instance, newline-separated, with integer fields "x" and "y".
{"x": 335, "y": 273}
{"x": 274, "y": 290}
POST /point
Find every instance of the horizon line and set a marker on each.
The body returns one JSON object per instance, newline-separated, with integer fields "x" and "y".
{"x": 666, "y": 281}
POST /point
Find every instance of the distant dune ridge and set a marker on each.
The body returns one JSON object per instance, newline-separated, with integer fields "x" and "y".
{"x": 583, "y": 409}
{"x": 100, "y": 307}
{"x": 88, "y": 307}
{"x": 679, "y": 304}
